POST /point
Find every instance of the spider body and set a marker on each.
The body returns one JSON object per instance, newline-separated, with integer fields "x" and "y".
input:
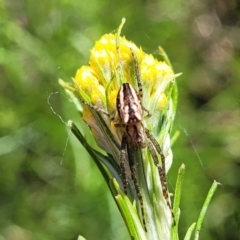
{"x": 130, "y": 113}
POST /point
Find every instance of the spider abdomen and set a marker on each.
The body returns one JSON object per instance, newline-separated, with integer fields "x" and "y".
{"x": 128, "y": 105}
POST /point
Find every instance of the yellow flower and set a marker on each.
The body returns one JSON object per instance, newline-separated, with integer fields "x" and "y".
{"x": 109, "y": 68}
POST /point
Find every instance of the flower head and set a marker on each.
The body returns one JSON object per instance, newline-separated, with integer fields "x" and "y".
{"x": 111, "y": 64}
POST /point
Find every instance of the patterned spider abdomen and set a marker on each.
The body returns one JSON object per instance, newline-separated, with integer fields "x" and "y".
{"x": 128, "y": 105}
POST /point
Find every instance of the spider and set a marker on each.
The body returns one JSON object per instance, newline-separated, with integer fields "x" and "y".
{"x": 129, "y": 111}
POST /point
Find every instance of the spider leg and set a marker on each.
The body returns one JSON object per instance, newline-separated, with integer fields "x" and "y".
{"x": 137, "y": 73}
{"x": 139, "y": 83}
{"x": 132, "y": 166}
{"x": 122, "y": 162}
{"x": 148, "y": 113}
{"x": 97, "y": 109}
{"x": 161, "y": 168}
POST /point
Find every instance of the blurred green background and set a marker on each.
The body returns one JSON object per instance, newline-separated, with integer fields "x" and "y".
{"x": 49, "y": 187}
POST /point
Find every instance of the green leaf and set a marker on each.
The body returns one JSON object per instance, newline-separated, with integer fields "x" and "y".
{"x": 98, "y": 157}
{"x": 178, "y": 192}
{"x": 81, "y": 238}
{"x": 128, "y": 213}
{"x": 176, "y": 203}
{"x": 189, "y": 232}
{"x": 204, "y": 208}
